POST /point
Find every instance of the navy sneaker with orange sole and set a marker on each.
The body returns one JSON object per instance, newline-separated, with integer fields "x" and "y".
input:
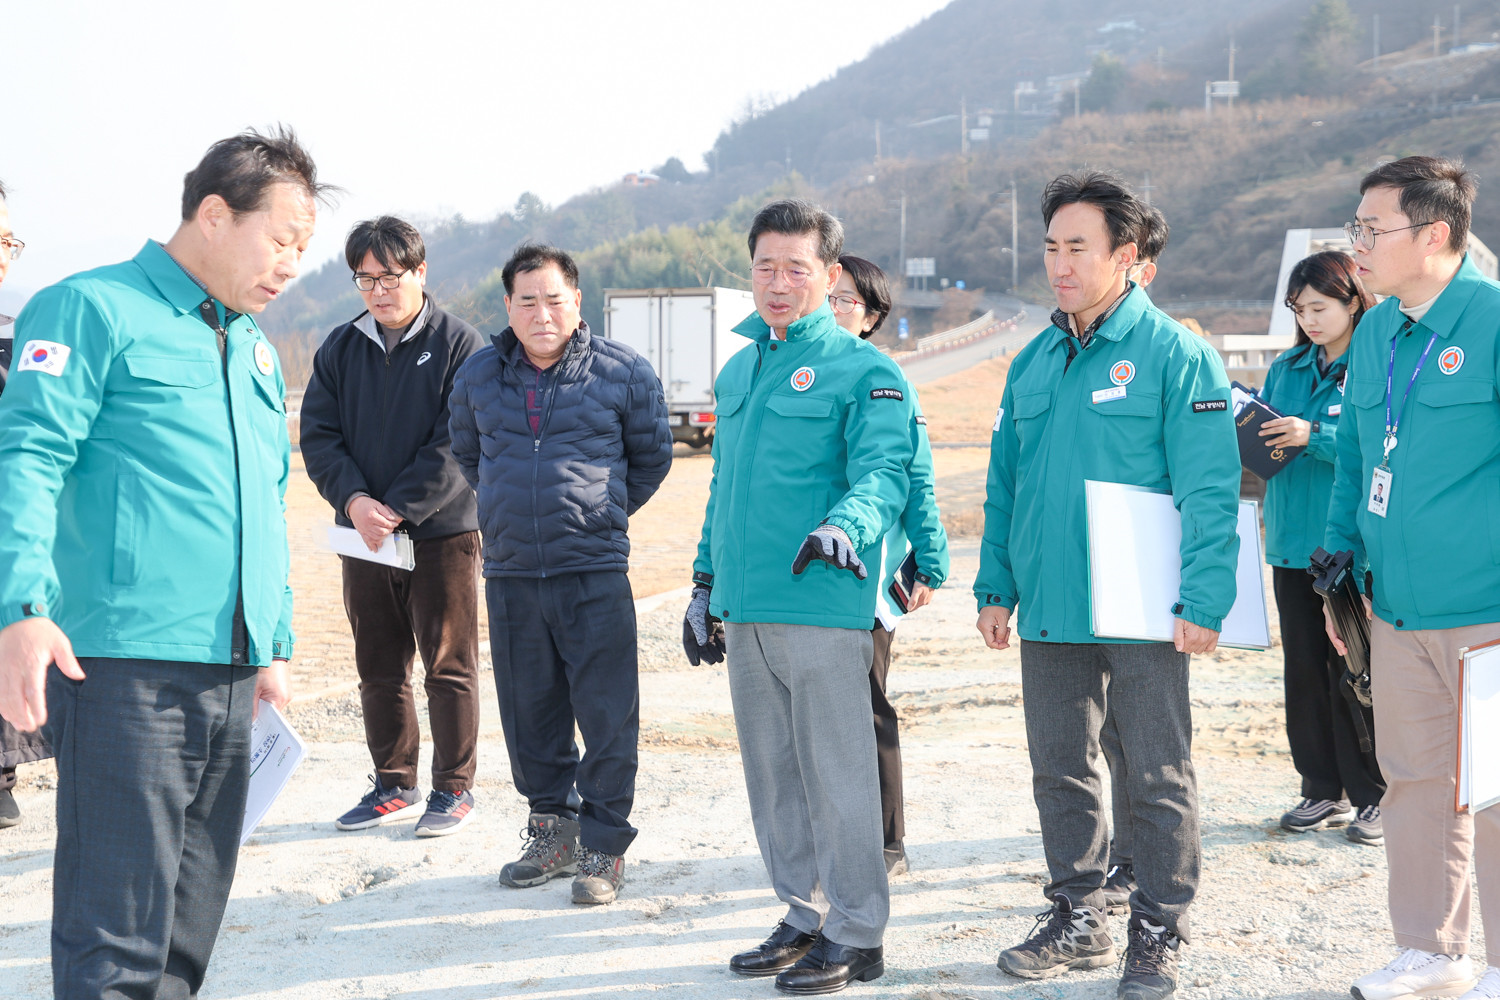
{"x": 381, "y": 805}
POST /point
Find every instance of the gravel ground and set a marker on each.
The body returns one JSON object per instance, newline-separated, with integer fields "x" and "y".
{"x": 377, "y": 914}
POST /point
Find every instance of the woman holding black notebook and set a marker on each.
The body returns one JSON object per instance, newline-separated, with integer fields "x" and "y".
{"x": 1306, "y": 384}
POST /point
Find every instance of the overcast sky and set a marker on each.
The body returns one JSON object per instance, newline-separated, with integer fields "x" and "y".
{"x": 417, "y": 108}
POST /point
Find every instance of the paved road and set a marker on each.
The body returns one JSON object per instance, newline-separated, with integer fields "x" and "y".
{"x": 936, "y": 366}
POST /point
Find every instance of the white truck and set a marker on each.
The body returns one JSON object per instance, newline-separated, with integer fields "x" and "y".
{"x": 687, "y": 335}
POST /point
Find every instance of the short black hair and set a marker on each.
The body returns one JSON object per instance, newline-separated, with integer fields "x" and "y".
{"x": 873, "y": 287}
{"x": 395, "y": 243}
{"x": 795, "y": 217}
{"x": 534, "y": 257}
{"x": 242, "y": 168}
{"x": 1433, "y": 189}
{"x": 1124, "y": 213}
{"x": 1153, "y": 242}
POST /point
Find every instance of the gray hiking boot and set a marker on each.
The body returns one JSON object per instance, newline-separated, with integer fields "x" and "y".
{"x": 599, "y": 878}
{"x": 551, "y": 852}
{"x": 1064, "y": 939}
{"x": 1150, "y": 962}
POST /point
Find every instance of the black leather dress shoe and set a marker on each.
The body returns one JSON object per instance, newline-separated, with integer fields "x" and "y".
{"x": 828, "y": 967}
{"x": 775, "y": 954}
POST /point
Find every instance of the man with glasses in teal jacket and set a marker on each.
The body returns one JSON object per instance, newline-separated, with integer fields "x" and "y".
{"x": 1416, "y": 491}
{"x": 144, "y": 606}
{"x": 1117, "y": 392}
{"x": 814, "y": 436}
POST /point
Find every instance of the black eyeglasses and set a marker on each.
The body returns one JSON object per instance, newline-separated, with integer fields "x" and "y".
{"x": 366, "y": 282}
{"x": 1364, "y": 236}
{"x": 13, "y": 245}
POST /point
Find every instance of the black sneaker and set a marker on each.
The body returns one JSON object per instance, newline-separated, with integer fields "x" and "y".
{"x": 1117, "y": 889}
{"x": 10, "y": 813}
{"x": 381, "y": 805}
{"x": 1064, "y": 939}
{"x": 1150, "y": 962}
{"x": 1366, "y": 827}
{"x": 1315, "y": 814}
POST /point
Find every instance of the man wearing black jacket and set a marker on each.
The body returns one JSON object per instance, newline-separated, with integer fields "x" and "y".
{"x": 375, "y": 442}
{"x": 564, "y": 435}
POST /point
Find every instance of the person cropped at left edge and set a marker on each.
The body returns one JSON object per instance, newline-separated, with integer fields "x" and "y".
{"x": 16, "y": 747}
{"x": 375, "y": 440}
{"x": 143, "y": 564}
{"x": 564, "y": 435}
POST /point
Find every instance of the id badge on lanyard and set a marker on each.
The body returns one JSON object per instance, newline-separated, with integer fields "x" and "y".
{"x": 1382, "y": 480}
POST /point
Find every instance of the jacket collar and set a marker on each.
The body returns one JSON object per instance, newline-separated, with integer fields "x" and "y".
{"x": 818, "y": 323}
{"x": 365, "y": 324}
{"x": 1443, "y": 316}
{"x": 1122, "y": 318}
{"x": 508, "y": 345}
{"x": 179, "y": 288}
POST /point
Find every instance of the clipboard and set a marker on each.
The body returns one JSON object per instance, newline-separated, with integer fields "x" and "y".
{"x": 1477, "y": 778}
{"x": 1135, "y": 567}
{"x": 1250, "y": 414}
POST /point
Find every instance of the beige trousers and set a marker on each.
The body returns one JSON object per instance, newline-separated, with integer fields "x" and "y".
{"x": 1414, "y": 681}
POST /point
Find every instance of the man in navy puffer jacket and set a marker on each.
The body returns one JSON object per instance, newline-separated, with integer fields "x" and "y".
{"x": 563, "y": 435}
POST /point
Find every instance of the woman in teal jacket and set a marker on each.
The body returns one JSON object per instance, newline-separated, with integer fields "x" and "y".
{"x": 1306, "y": 384}
{"x": 861, "y": 300}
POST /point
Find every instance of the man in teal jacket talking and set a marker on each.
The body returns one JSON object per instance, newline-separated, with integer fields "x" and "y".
{"x": 814, "y": 434}
{"x": 1116, "y": 392}
{"x": 1416, "y": 492}
{"x": 144, "y": 606}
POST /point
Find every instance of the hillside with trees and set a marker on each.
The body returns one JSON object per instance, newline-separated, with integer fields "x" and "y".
{"x": 1315, "y": 112}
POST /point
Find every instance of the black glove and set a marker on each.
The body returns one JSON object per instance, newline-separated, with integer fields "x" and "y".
{"x": 702, "y": 633}
{"x": 830, "y": 544}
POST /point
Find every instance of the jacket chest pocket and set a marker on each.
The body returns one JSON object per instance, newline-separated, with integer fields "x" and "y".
{"x": 1460, "y": 409}
{"x": 1029, "y": 411}
{"x": 801, "y": 420}
{"x": 160, "y": 375}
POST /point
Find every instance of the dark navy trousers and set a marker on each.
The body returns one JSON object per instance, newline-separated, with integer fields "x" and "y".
{"x": 153, "y": 764}
{"x": 564, "y": 649}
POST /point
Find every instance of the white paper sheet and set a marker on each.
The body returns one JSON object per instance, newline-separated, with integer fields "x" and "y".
{"x": 275, "y": 752}
{"x": 1135, "y": 568}
{"x": 395, "y": 551}
{"x": 1479, "y": 739}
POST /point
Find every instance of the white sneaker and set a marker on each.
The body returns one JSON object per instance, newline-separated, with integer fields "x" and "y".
{"x": 1488, "y": 987}
{"x": 1417, "y": 973}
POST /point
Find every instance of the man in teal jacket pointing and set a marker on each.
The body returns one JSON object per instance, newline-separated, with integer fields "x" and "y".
{"x": 814, "y": 434}
{"x": 1114, "y": 391}
{"x": 143, "y": 564}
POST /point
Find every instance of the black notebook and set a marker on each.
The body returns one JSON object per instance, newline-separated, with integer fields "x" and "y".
{"x": 1250, "y": 413}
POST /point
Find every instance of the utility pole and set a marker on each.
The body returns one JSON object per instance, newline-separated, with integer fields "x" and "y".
{"x": 1375, "y": 61}
{"x": 963, "y": 126}
{"x": 902, "y": 251}
{"x": 1015, "y": 251}
{"x": 1231, "y": 67}
{"x": 877, "y": 140}
{"x": 1456, "y": 9}
{"x": 1437, "y": 30}
{"x": 1146, "y": 188}
{"x": 1076, "y": 81}
{"x": 1161, "y": 56}
{"x": 789, "y": 161}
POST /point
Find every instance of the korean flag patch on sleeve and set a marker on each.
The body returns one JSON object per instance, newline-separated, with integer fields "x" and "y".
{"x": 43, "y": 356}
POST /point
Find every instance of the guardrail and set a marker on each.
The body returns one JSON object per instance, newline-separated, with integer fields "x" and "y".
{"x": 1168, "y": 306}
{"x": 976, "y": 329}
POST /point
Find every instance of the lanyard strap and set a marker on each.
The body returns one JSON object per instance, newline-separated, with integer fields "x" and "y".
{"x": 1390, "y": 374}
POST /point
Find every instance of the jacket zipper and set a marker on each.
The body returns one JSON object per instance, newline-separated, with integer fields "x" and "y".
{"x": 239, "y": 640}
